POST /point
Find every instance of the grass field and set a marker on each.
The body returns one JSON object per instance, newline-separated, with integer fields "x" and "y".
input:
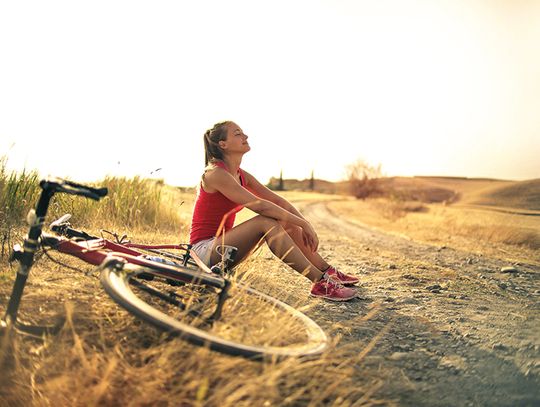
{"x": 103, "y": 356}
{"x": 499, "y": 218}
{"x": 476, "y": 229}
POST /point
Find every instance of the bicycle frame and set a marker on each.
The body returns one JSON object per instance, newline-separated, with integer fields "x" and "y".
{"x": 97, "y": 251}
{"x": 228, "y": 254}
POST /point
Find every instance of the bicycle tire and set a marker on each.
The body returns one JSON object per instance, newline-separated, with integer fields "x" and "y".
{"x": 118, "y": 283}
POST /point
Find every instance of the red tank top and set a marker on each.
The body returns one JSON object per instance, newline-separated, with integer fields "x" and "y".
{"x": 211, "y": 209}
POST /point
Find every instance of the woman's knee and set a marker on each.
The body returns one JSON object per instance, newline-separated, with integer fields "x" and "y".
{"x": 292, "y": 230}
{"x": 267, "y": 224}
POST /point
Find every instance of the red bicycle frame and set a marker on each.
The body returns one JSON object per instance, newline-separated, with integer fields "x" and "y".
{"x": 95, "y": 251}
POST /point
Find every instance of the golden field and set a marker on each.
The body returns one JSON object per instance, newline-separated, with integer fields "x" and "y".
{"x": 104, "y": 356}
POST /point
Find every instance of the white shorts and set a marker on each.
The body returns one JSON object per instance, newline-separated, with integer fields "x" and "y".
{"x": 203, "y": 249}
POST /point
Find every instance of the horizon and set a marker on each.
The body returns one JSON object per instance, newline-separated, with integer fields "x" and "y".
{"x": 267, "y": 181}
{"x": 414, "y": 176}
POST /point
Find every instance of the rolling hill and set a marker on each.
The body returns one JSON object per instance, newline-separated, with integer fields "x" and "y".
{"x": 522, "y": 195}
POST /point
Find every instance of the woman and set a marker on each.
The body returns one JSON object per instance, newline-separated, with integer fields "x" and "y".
{"x": 225, "y": 189}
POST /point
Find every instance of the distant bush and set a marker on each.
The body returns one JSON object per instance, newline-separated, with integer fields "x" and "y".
{"x": 396, "y": 208}
{"x": 363, "y": 179}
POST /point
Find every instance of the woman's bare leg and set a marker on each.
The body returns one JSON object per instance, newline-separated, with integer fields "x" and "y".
{"x": 246, "y": 236}
{"x": 315, "y": 258}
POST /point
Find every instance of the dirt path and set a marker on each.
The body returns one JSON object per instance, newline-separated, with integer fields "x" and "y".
{"x": 460, "y": 331}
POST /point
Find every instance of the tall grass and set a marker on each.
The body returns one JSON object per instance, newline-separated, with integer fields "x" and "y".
{"x": 132, "y": 204}
{"x": 18, "y": 190}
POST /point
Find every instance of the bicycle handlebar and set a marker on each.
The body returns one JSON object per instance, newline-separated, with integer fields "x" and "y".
{"x": 31, "y": 243}
{"x": 69, "y": 187}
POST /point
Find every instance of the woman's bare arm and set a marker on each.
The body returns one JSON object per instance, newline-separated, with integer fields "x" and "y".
{"x": 222, "y": 181}
{"x": 263, "y": 192}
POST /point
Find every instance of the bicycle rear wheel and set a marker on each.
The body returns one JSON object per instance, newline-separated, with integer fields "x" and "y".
{"x": 249, "y": 323}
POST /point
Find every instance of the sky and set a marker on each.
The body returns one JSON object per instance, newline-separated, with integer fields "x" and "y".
{"x": 125, "y": 88}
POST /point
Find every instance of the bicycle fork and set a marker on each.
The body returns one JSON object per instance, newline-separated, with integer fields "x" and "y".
{"x": 25, "y": 257}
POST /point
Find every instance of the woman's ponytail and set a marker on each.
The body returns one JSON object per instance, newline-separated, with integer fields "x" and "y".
{"x": 207, "y": 144}
{"x": 212, "y": 137}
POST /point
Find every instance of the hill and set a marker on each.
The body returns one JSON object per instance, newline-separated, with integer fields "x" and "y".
{"x": 519, "y": 195}
{"x": 523, "y": 195}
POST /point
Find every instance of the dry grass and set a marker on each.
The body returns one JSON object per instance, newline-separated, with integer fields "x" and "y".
{"x": 69, "y": 371}
{"x": 132, "y": 204}
{"x": 466, "y": 228}
{"x": 17, "y": 192}
{"x": 508, "y": 229}
{"x": 103, "y": 356}
{"x": 485, "y": 215}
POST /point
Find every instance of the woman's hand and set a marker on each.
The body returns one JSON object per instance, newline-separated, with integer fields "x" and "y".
{"x": 310, "y": 237}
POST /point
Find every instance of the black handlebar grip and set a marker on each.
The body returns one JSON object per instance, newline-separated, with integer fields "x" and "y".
{"x": 73, "y": 188}
{"x": 92, "y": 193}
{"x": 101, "y": 192}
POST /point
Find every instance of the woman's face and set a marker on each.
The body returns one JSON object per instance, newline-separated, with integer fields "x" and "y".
{"x": 236, "y": 141}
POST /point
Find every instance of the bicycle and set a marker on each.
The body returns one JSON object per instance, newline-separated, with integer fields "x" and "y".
{"x": 176, "y": 293}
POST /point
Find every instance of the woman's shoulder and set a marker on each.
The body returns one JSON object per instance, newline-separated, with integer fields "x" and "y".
{"x": 213, "y": 176}
{"x": 213, "y": 167}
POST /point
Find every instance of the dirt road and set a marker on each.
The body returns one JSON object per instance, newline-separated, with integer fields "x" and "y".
{"x": 460, "y": 329}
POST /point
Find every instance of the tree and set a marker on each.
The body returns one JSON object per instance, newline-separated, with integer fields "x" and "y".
{"x": 280, "y": 184}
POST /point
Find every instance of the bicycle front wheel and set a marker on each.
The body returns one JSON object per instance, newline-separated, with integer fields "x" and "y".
{"x": 248, "y": 322}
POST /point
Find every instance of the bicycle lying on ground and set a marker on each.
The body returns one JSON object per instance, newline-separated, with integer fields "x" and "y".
{"x": 174, "y": 292}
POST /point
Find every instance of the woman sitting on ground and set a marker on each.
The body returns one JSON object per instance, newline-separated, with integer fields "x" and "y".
{"x": 225, "y": 189}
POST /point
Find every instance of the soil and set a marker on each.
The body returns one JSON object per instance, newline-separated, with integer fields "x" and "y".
{"x": 456, "y": 328}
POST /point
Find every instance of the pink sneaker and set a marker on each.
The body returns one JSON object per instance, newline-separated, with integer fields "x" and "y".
{"x": 345, "y": 279}
{"x": 331, "y": 290}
